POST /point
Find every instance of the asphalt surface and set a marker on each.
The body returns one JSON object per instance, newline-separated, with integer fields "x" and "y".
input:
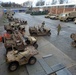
{"x": 59, "y": 46}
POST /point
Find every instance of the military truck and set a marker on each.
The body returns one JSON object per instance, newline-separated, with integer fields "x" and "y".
{"x": 75, "y": 21}
{"x": 73, "y": 36}
{"x": 54, "y": 17}
{"x": 16, "y": 58}
{"x": 39, "y": 31}
{"x": 67, "y": 16}
{"x": 48, "y": 15}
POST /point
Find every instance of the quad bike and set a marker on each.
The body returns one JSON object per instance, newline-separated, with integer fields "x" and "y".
{"x": 39, "y": 31}
{"x": 31, "y": 41}
{"x": 48, "y": 15}
{"x": 18, "y": 42}
{"x": 16, "y": 59}
{"x": 11, "y": 27}
{"x": 12, "y": 42}
{"x": 73, "y": 36}
{"x": 23, "y": 22}
{"x": 8, "y": 28}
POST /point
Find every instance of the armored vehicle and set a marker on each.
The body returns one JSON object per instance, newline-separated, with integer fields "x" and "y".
{"x": 15, "y": 59}
{"x": 73, "y": 36}
{"x": 39, "y": 31}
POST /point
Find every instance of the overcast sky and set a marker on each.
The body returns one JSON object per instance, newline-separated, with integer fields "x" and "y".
{"x": 16, "y": 1}
{"x": 34, "y": 1}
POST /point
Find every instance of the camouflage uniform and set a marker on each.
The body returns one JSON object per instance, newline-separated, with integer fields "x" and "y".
{"x": 58, "y": 29}
{"x": 42, "y": 26}
{"x": 43, "y": 23}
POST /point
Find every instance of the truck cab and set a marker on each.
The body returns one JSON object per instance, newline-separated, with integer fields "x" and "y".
{"x": 63, "y": 16}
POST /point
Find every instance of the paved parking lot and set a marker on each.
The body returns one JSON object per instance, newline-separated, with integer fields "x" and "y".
{"x": 58, "y": 46}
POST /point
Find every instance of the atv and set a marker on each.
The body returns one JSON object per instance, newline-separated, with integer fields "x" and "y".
{"x": 73, "y": 36}
{"x": 31, "y": 41}
{"x": 16, "y": 59}
{"x": 39, "y": 31}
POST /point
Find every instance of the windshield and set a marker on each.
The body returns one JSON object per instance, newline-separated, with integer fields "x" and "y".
{"x": 63, "y": 15}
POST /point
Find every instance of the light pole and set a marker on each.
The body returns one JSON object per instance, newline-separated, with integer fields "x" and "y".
{"x": 56, "y": 9}
{"x": 74, "y": 8}
{"x": 64, "y": 9}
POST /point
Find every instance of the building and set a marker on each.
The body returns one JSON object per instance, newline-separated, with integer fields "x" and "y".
{"x": 57, "y": 9}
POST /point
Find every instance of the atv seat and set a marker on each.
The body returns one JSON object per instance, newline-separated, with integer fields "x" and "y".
{"x": 20, "y": 46}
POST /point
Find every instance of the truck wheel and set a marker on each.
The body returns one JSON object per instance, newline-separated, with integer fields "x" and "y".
{"x": 73, "y": 19}
{"x": 73, "y": 44}
{"x": 13, "y": 66}
{"x": 25, "y": 22}
{"x": 32, "y": 61}
{"x": 49, "y": 34}
{"x": 72, "y": 35}
{"x": 8, "y": 49}
{"x": 61, "y": 20}
{"x": 36, "y": 46}
{"x": 66, "y": 20}
{"x": 27, "y": 41}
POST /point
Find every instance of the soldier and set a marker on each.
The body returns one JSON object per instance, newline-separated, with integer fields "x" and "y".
{"x": 42, "y": 26}
{"x": 43, "y": 23}
{"x": 58, "y": 29}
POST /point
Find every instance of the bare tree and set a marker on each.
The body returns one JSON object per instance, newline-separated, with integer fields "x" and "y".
{"x": 54, "y": 2}
{"x": 27, "y": 4}
{"x": 63, "y": 1}
{"x": 40, "y": 3}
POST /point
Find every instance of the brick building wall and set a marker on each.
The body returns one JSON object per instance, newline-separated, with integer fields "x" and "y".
{"x": 54, "y": 9}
